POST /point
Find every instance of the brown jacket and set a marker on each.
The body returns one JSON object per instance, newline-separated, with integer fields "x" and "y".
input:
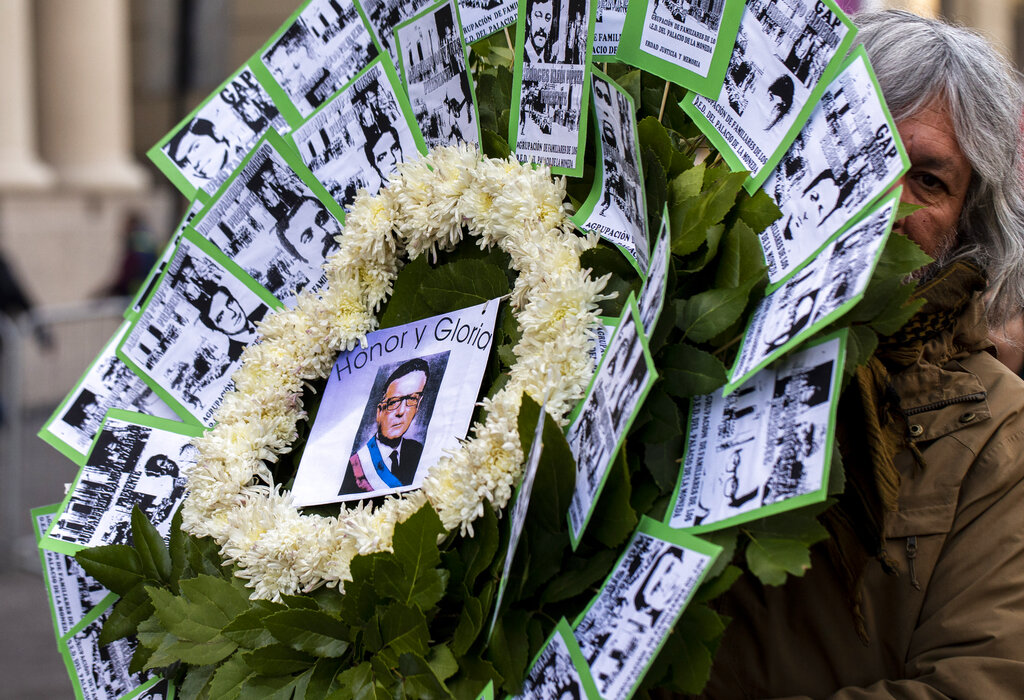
{"x": 958, "y": 535}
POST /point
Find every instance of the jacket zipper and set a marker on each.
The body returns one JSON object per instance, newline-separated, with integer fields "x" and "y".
{"x": 980, "y": 396}
{"x": 911, "y": 556}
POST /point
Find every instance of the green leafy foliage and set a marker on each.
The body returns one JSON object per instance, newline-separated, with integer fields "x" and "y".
{"x": 415, "y": 622}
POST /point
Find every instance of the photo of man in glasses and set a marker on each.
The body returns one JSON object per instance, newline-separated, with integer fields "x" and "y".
{"x": 388, "y": 460}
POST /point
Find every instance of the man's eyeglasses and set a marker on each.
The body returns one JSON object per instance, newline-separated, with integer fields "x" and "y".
{"x": 409, "y": 401}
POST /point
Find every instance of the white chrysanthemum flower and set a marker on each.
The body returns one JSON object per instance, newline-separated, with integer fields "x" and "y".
{"x": 425, "y": 207}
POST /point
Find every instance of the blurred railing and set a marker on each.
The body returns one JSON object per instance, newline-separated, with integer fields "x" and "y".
{"x": 34, "y": 377}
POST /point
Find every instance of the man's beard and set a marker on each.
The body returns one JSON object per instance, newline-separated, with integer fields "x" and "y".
{"x": 946, "y": 254}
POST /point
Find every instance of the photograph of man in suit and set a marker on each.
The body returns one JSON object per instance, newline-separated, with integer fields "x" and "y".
{"x": 388, "y": 459}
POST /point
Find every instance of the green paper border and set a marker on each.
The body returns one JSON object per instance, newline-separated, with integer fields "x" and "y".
{"x": 232, "y": 270}
{"x": 804, "y": 499}
{"x": 400, "y": 95}
{"x": 105, "y": 602}
{"x": 289, "y": 108}
{"x": 195, "y": 207}
{"x": 292, "y": 159}
{"x": 633, "y": 311}
{"x": 664, "y": 233}
{"x": 69, "y": 664}
{"x": 465, "y": 58}
{"x": 47, "y": 435}
{"x": 587, "y": 207}
{"x": 537, "y": 444}
{"x": 564, "y": 630}
{"x": 832, "y": 69}
{"x": 630, "y": 50}
{"x": 734, "y": 382}
{"x": 517, "y": 89}
{"x": 660, "y": 531}
{"x": 168, "y": 167}
{"x": 858, "y": 53}
{"x": 61, "y": 546}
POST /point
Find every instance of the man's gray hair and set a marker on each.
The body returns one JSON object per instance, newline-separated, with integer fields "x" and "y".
{"x": 918, "y": 60}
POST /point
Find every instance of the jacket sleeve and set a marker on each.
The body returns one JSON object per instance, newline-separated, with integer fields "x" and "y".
{"x": 969, "y": 638}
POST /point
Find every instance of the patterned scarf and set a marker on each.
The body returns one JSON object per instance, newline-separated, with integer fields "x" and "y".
{"x": 873, "y": 430}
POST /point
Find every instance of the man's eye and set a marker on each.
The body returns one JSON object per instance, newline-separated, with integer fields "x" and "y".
{"x": 929, "y": 180}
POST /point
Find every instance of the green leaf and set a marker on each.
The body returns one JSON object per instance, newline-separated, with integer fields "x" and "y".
{"x": 300, "y": 602}
{"x": 900, "y": 257}
{"x": 688, "y": 184}
{"x": 359, "y": 683}
{"x": 419, "y": 679}
{"x": 156, "y": 560}
{"x": 474, "y": 675}
{"x": 133, "y": 607}
{"x": 662, "y": 460}
{"x": 905, "y": 209}
{"x": 218, "y": 599}
{"x": 247, "y": 630}
{"x": 471, "y": 621}
{"x": 692, "y": 217}
{"x": 655, "y": 182}
{"x": 204, "y": 557}
{"x": 442, "y": 662}
{"x": 705, "y": 315}
{"x": 184, "y": 619}
{"x": 727, "y": 539}
{"x": 715, "y": 587}
{"x": 310, "y": 631}
{"x": 630, "y": 82}
{"x": 421, "y": 291}
{"x": 579, "y": 575}
{"x": 479, "y": 550}
{"x": 684, "y": 664}
{"x": 614, "y": 518}
{"x": 758, "y": 211}
{"x": 168, "y": 649}
{"x": 895, "y": 314}
{"x": 140, "y": 659}
{"x": 321, "y": 680}
{"x": 177, "y": 548}
{"x": 653, "y": 135}
{"x": 509, "y": 649}
{"x": 861, "y": 343}
{"x": 688, "y": 371}
{"x": 410, "y": 576}
{"x": 554, "y": 483}
{"x": 404, "y": 629}
{"x": 269, "y": 687}
{"x": 741, "y": 257}
{"x": 196, "y": 683}
{"x": 663, "y": 419}
{"x": 415, "y": 540}
{"x": 706, "y": 252}
{"x": 801, "y": 525}
{"x": 689, "y": 650}
{"x": 229, "y": 677}
{"x": 770, "y": 559}
{"x": 277, "y": 660}
{"x": 116, "y": 566}
{"x": 493, "y": 145}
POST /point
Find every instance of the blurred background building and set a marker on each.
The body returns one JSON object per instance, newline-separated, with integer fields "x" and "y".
{"x": 87, "y": 87}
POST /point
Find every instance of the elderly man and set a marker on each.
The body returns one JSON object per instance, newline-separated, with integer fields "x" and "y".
{"x": 919, "y": 593}
{"x": 389, "y": 460}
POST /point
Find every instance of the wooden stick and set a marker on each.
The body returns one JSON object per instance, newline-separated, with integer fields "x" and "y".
{"x": 508, "y": 40}
{"x": 664, "y": 99}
